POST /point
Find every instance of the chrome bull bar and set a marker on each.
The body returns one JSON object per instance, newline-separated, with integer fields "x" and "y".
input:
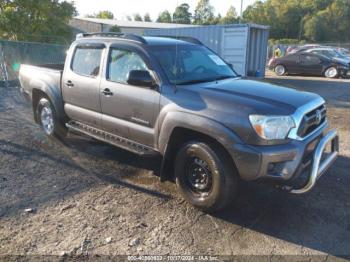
{"x": 319, "y": 168}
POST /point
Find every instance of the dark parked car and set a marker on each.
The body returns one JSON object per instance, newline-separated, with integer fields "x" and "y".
{"x": 307, "y": 63}
{"x": 181, "y": 101}
{"x": 330, "y": 52}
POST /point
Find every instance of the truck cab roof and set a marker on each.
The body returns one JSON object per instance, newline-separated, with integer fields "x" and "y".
{"x": 147, "y": 40}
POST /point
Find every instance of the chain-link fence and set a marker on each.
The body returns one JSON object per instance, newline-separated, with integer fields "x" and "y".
{"x": 13, "y": 54}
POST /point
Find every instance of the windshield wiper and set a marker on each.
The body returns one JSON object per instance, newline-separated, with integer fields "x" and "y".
{"x": 223, "y": 77}
{"x": 197, "y": 81}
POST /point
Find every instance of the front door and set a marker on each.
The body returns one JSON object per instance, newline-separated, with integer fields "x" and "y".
{"x": 128, "y": 111}
{"x": 81, "y": 82}
{"x": 310, "y": 64}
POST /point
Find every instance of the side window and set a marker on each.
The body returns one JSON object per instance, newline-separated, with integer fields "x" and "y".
{"x": 87, "y": 61}
{"x": 121, "y": 62}
{"x": 310, "y": 59}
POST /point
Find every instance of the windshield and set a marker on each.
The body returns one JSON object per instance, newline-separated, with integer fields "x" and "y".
{"x": 329, "y": 53}
{"x": 189, "y": 64}
{"x": 344, "y": 52}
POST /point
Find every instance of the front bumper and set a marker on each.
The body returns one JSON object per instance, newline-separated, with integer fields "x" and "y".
{"x": 344, "y": 72}
{"x": 320, "y": 166}
{"x": 287, "y": 164}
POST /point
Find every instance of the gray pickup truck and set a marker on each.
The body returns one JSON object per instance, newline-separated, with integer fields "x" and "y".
{"x": 178, "y": 99}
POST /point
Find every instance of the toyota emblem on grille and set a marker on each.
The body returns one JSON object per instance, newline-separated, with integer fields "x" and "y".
{"x": 318, "y": 117}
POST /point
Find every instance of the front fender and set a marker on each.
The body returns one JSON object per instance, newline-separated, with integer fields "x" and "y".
{"x": 197, "y": 123}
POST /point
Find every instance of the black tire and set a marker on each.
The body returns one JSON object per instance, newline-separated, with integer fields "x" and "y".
{"x": 220, "y": 190}
{"x": 58, "y": 130}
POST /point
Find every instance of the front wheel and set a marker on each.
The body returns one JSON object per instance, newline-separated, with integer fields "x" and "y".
{"x": 331, "y": 72}
{"x": 48, "y": 119}
{"x": 205, "y": 176}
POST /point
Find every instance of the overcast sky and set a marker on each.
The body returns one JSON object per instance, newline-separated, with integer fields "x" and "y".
{"x": 122, "y": 8}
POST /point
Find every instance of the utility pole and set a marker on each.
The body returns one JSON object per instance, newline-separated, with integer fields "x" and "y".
{"x": 241, "y": 14}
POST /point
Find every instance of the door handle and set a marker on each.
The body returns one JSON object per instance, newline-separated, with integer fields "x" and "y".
{"x": 107, "y": 92}
{"x": 69, "y": 83}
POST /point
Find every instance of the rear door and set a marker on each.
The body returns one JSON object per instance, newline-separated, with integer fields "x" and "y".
{"x": 128, "y": 111}
{"x": 291, "y": 63}
{"x": 80, "y": 84}
{"x": 310, "y": 64}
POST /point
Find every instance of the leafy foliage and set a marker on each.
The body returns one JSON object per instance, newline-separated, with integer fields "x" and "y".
{"x": 137, "y": 17}
{"x": 204, "y": 13}
{"x": 33, "y": 20}
{"x": 115, "y": 29}
{"x": 164, "y": 17}
{"x": 313, "y": 20}
{"x": 147, "y": 18}
{"x": 182, "y": 14}
{"x": 230, "y": 17}
{"x": 104, "y": 15}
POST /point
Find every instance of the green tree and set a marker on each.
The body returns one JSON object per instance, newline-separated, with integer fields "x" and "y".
{"x": 230, "y": 17}
{"x": 105, "y": 15}
{"x": 217, "y": 20}
{"x": 137, "y": 17}
{"x": 315, "y": 28}
{"x": 204, "y": 13}
{"x": 33, "y": 20}
{"x": 114, "y": 29}
{"x": 164, "y": 17}
{"x": 147, "y": 18}
{"x": 315, "y": 20}
{"x": 182, "y": 14}
{"x": 330, "y": 24}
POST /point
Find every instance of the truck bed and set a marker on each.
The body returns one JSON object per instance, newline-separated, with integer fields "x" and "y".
{"x": 43, "y": 75}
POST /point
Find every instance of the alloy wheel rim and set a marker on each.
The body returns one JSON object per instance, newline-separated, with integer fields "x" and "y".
{"x": 279, "y": 70}
{"x": 47, "y": 120}
{"x": 331, "y": 72}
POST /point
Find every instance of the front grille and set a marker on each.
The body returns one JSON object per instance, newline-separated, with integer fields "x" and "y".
{"x": 312, "y": 120}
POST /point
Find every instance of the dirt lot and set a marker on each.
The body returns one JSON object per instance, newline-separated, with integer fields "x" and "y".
{"x": 87, "y": 197}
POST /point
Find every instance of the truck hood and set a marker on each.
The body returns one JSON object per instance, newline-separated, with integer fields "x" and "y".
{"x": 230, "y": 102}
{"x": 258, "y": 96}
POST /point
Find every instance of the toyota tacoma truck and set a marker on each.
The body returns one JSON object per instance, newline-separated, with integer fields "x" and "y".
{"x": 176, "y": 98}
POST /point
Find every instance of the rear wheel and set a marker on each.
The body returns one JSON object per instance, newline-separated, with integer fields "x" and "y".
{"x": 331, "y": 72}
{"x": 48, "y": 119}
{"x": 205, "y": 176}
{"x": 280, "y": 70}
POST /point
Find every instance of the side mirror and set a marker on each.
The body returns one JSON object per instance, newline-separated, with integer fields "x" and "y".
{"x": 141, "y": 78}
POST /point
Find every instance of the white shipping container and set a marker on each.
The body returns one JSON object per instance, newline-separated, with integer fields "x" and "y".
{"x": 242, "y": 45}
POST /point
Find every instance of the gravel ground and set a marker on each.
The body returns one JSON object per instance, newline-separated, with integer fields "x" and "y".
{"x": 81, "y": 196}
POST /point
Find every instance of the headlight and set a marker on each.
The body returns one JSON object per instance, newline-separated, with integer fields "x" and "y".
{"x": 272, "y": 127}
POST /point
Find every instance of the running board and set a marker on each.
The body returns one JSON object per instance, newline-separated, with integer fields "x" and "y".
{"x": 110, "y": 138}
